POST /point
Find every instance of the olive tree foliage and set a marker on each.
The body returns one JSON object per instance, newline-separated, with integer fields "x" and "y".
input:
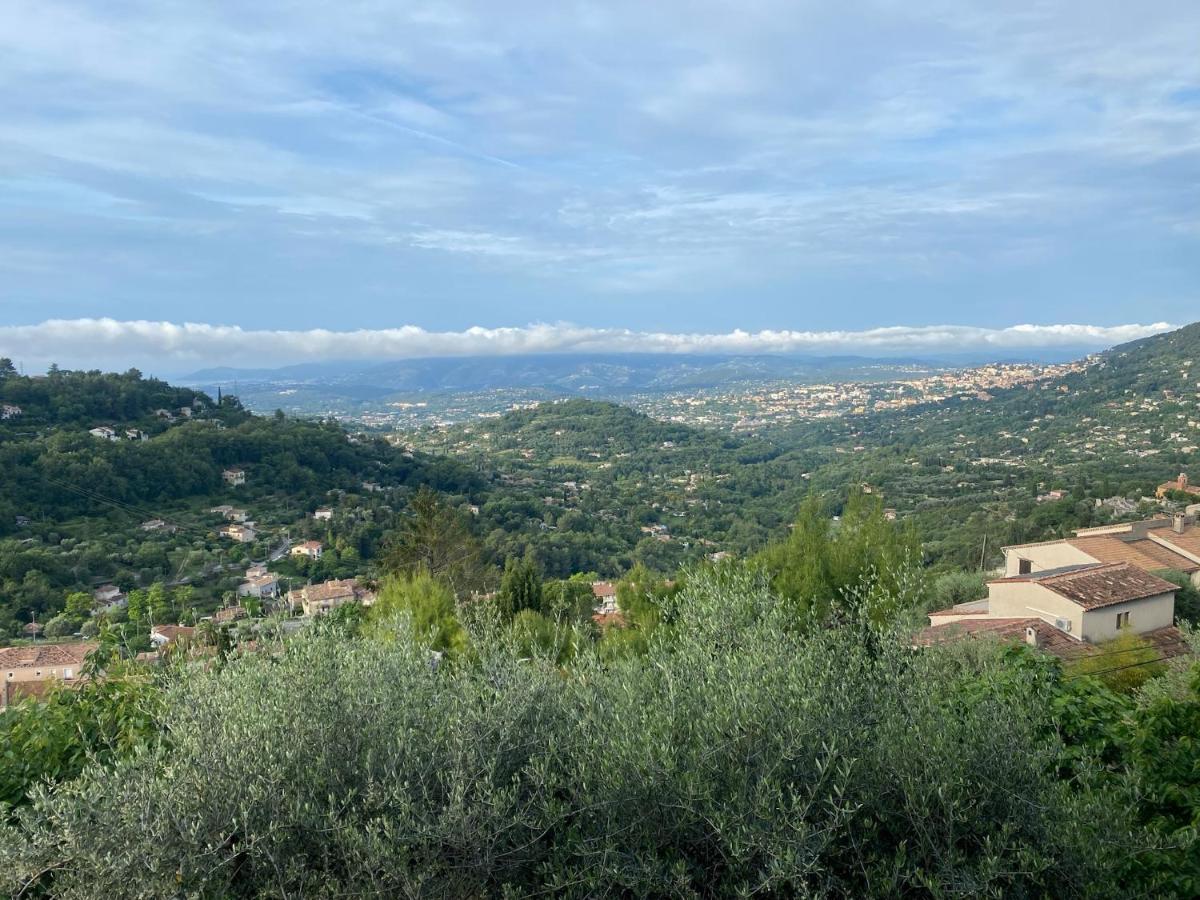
{"x": 737, "y": 756}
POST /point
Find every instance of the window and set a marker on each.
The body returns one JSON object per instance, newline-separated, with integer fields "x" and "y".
{"x": 1122, "y": 620}
{"x": 1025, "y": 567}
{"x": 67, "y": 673}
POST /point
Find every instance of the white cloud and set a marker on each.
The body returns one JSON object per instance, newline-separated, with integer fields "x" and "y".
{"x": 580, "y": 150}
{"x": 167, "y": 346}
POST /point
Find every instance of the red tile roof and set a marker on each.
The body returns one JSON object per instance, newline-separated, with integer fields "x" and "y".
{"x": 1126, "y": 546}
{"x": 1099, "y": 586}
{"x": 1189, "y": 541}
{"x": 1169, "y": 641}
{"x": 1050, "y": 639}
{"x": 173, "y": 632}
{"x": 44, "y": 655}
{"x": 1145, "y": 554}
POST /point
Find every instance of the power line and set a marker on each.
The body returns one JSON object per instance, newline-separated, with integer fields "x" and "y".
{"x": 92, "y": 494}
{"x": 122, "y": 506}
{"x": 1148, "y": 662}
{"x": 1106, "y": 653}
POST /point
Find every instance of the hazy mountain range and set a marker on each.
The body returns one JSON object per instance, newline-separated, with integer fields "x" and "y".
{"x": 589, "y": 374}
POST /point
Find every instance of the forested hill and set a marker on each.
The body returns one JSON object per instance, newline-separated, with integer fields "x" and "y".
{"x": 983, "y": 472}
{"x": 92, "y": 398}
{"x": 54, "y": 469}
{"x": 1140, "y": 399}
{"x": 589, "y": 428}
{"x": 603, "y": 487}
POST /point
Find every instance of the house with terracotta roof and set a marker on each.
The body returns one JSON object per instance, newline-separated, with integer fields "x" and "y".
{"x": 1153, "y": 545}
{"x": 1067, "y": 610}
{"x": 1180, "y": 484}
{"x": 311, "y": 549}
{"x": 605, "y": 594}
{"x": 31, "y": 671}
{"x": 162, "y": 635}
{"x": 315, "y": 599}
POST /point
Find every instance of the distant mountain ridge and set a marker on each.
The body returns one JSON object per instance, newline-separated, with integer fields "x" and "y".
{"x": 595, "y": 374}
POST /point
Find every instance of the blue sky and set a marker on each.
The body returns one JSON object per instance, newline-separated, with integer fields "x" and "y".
{"x": 667, "y": 167}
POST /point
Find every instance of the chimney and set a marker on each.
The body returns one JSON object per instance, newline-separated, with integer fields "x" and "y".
{"x": 1179, "y": 523}
{"x": 1032, "y": 638}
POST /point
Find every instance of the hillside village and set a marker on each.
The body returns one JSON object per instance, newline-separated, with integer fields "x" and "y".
{"x": 257, "y": 566}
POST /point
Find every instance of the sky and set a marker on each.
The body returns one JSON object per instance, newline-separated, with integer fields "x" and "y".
{"x": 197, "y": 180}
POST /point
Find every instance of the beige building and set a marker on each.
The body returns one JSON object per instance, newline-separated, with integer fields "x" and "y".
{"x": 30, "y": 671}
{"x": 1180, "y": 484}
{"x": 1068, "y": 610}
{"x": 243, "y": 534}
{"x": 1154, "y": 545}
{"x": 311, "y": 549}
{"x": 233, "y": 477}
{"x": 316, "y": 599}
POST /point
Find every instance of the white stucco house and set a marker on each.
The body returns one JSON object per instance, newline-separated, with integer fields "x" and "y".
{"x": 311, "y": 549}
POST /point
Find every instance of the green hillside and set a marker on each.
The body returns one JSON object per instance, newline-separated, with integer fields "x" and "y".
{"x": 597, "y": 487}
{"x": 73, "y": 505}
{"x": 971, "y": 470}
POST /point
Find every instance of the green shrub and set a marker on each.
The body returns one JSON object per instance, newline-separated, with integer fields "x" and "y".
{"x": 735, "y": 756}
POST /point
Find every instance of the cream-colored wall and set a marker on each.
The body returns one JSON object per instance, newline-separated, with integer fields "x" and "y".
{"x": 947, "y": 619}
{"x": 1028, "y": 599}
{"x": 1044, "y": 556}
{"x": 33, "y": 673}
{"x": 1144, "y": 615}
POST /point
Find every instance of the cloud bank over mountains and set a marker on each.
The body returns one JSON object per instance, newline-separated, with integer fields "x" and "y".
{"x": 168, "y": 347}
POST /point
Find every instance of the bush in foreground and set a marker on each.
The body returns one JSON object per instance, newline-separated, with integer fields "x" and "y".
{"x": 739, "y": 755}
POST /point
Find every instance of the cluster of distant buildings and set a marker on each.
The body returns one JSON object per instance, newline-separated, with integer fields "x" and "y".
{"x": 109, "y": 433}
{"x": 30, "y": 671}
